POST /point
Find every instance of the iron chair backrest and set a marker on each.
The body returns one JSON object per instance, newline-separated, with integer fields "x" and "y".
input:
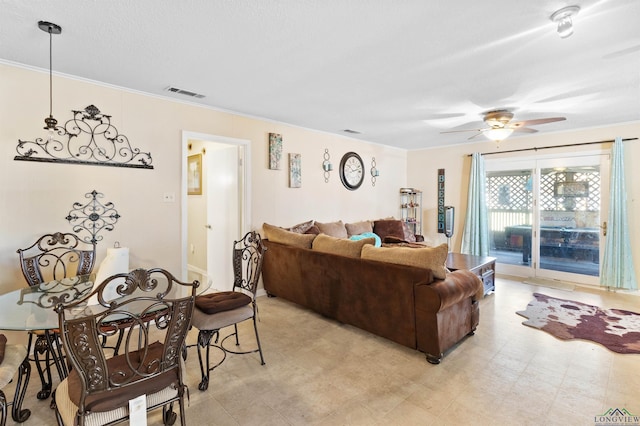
{"x": 248, "y": 254}
{"x": 150, "y": 304}
{"x": 56, "y": 256}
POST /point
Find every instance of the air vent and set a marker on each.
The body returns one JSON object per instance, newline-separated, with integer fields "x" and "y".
{"x": 353, "y": 132}
{"x": 184, "y": 92}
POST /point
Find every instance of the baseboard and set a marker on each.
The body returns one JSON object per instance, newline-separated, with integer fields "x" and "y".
{"x": 557, "y": 284}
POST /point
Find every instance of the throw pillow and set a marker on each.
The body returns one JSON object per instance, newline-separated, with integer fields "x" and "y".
{"x": 359, "y": 237}
{"x": 409, "y": 236}
{"x": 302, "y": 228}
{"x": 388, "y": 228}
{"x": 313, "y": 230}
{"x": 358, "y": 228}
{"x": 333, "y": 229}
{"x": 282, "y": 236}
{"x": 328, "y": 244}
{"x": 433, "y": 258}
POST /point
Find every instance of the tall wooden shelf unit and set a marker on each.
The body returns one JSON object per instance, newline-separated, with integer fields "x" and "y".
{"x": 411, "y": 209}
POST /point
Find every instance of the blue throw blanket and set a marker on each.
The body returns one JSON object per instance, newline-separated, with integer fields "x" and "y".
{"x": 367, "y": 235}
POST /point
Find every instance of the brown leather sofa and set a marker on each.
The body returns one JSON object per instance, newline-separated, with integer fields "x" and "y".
{"x": 404, "y": 304}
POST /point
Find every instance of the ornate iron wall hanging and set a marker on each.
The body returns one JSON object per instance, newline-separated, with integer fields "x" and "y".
{"x": 93, "y": 217}
{"x": 90, "y": 139}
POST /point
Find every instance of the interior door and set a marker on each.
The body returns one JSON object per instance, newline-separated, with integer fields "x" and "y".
{"x": 224, "y": 211}
{"x": 546, "y": 216}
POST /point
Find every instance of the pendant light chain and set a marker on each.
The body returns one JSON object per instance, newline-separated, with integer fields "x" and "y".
{"x": 50, "y": 72}
{"x": 52, "y": 29}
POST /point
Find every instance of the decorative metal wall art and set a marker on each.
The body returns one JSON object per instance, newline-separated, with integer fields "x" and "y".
{"x": 374, "y": 171}
{"x": 93, "y": 217}
{"x": 326, "y": 165}
{"x": 88, "y": 138}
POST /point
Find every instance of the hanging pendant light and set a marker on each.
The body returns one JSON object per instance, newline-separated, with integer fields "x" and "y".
{"x": 52, "y": 29}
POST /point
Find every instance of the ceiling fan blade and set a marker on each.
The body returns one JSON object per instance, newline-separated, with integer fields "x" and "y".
{"x": 465, "y": 130}
{"x": 477, "y": 134}
{"x": 524, "y": 130}
{"x": 534, "y": 122}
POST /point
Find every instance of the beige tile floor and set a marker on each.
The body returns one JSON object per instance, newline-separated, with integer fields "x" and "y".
{"x": 323, "y": 373}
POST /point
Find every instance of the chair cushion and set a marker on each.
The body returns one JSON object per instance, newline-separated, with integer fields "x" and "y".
{"x": 220, "y": 320}
{"x": 68, "y": 409}
{"x": 120, "y": 396}
{"x": 221, "y": 301}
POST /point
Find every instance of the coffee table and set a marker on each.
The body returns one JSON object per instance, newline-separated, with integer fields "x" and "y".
{"x": 483, "y": 266}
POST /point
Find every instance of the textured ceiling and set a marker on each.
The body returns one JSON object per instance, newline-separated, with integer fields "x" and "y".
{"x": 399, "y": 71}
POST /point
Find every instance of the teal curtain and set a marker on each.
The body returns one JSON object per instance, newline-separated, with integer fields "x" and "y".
{"x": 617, "y": 266}
{"x": 475, "y": 237}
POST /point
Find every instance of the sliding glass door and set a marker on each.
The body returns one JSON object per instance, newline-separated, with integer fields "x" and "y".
{"x": 546, "y": 216}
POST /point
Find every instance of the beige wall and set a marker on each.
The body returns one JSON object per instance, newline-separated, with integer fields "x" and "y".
{"x": 36, "y": 197}
{"x": 423, "y": 167}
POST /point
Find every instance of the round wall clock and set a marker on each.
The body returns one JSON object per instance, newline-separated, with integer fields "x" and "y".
{"x": 351, "y": 171}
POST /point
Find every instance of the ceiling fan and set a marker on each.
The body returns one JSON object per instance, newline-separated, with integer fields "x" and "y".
{"x": 500, "y": 125}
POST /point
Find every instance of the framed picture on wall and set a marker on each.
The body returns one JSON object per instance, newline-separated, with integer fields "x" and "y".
{"x": 194, "y": 174}
{"x": 275, "y": 150}
{"x": 295, "y": 170}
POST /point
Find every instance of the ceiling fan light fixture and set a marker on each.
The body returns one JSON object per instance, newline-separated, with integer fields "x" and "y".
{"x": 497, "y": 134}
{"x": 562, "y": 17}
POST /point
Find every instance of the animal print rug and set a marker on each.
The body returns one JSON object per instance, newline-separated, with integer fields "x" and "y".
{"x": 615, "y": 329}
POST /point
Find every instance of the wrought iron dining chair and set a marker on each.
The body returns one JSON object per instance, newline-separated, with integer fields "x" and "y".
{"x": 52, "y": 257}
{"x": 14, "y": 360}
{"x": 155, "y": 310}
{"x": 218, "y": 310}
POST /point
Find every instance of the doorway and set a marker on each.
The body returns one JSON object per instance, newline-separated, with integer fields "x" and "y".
{"x": 546, "y": 216}
{"x": 217, "y": 216}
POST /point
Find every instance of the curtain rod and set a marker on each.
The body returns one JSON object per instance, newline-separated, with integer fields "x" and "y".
{"x": 555, "y": 146}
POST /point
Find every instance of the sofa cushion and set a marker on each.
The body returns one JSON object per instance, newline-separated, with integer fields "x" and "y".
{"x": 333, "y": 229}
{"x": 388, "y": 228}
{"x": 350, "y": 248}
{"x": 302, "y": 228}
{"x": 282, "y": 236}
{"x": 358, "y": 228}
{"x": 433, "y": 258}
